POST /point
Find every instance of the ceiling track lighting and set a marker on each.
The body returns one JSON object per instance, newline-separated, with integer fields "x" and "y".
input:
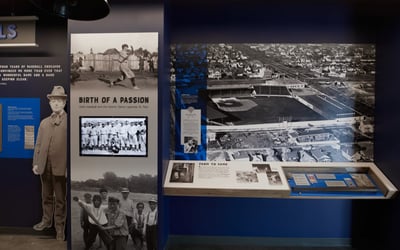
{"x": 83, "y": 10}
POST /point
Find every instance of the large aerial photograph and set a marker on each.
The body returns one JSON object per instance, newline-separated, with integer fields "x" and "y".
{"x": 282, "y": 102}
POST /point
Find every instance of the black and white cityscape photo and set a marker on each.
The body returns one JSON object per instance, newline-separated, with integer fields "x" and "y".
{"x": 289, "y": 102}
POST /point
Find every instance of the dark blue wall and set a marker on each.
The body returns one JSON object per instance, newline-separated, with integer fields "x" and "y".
{"x": 259, "y": 217}
{"x": 20, "y": 188}
{"x": 307, "y": 21}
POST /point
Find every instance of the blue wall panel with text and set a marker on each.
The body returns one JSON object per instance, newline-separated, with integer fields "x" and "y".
{"x": 20, "y": 122}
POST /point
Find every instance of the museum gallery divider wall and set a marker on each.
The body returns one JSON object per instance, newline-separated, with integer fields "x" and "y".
{"x": 28, "y": 75}
{"x": 368, "y": 222}
{"x": 124, "y": 114}
{"x": 258, "y": 22}
{"x": 97, "y": 162}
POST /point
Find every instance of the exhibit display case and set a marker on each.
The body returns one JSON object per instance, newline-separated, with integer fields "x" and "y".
{"x": 202, "y": 37}
{"x": 278, "y": 179}
{"x": 211, "y": 178}
{"x": 303, "y": 109}
{"x": 338, "y": 180}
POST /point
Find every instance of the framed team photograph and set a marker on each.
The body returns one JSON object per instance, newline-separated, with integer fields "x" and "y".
{"x": 113, "y": 136}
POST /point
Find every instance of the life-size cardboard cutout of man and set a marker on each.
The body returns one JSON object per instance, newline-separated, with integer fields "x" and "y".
{"x": 50, "y": 162}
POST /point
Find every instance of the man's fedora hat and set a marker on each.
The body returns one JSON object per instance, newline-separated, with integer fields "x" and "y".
{"x": 58, "y": 91}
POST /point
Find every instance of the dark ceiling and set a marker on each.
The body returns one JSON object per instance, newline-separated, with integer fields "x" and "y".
{"x": 26, "y": 7}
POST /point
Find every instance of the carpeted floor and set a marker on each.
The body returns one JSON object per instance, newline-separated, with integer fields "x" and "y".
{"x": 31, "y": 242}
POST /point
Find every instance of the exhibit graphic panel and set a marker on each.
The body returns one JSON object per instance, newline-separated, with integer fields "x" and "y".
{"x": 361, "y": 180}
{"x": 113, "y": 135}
{"x": 216, "y": 178}
{"x": 275, "y": 102}
{"x": 345, "y": 180}
{"x": 114, "y": 122}
{"x": 33, "y": 61}
{"x": 20, "y": 118}
{"x": 18, "y": 31}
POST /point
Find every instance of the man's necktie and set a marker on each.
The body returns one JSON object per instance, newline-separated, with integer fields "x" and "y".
{"x": 56, "y": 119}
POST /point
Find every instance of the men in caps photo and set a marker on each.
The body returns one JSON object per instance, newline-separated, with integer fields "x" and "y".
{"x": 50, "y": 162}
{"x": 128, "y": 207}
{"x": 138, "y": 229}
{"x": 117, "y": 225}
{"x": 97, "y": 218}
{"x": 151, "y": 225}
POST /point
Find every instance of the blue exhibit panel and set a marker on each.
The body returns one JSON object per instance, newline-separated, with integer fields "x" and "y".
{"x": 343, "y": 185}
{"x": 191, "y": 78}
{"x": 20, "y": 119}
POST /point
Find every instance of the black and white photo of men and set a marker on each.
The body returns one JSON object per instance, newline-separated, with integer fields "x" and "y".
{"x": 190, "y": 144}
{"x": 182, "y": 172}
{"x": 113, "y": 136}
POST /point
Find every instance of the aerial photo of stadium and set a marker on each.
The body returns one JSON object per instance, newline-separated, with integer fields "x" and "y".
{"x": 290, "y": 102}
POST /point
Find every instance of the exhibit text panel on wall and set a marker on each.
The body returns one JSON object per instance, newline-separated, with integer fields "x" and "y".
{"x": 20, "y": 117}
{"x": 18, "y": 31}
{"x": 113, "y": 127}
{"x": 277, "y": 179}
{"x": 33, "y": 62}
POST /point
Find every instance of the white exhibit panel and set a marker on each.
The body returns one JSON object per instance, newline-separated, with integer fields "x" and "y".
{"x": 277, "y": 180}
{"x": 210, "y": 178}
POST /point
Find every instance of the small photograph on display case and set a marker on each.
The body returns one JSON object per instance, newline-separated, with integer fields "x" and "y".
{"x": 261, "y": 168}
{"x": 191, "y": 144}
{"x": 246, "y": 176}
{"x": 113, "y": 136}
{"x": 274, "y": 178}
{"x": 182, "y": 172}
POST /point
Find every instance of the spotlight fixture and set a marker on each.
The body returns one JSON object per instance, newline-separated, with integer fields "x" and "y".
{"x": 83, "y": 10}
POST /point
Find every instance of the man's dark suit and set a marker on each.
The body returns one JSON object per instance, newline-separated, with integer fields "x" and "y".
{"x": 51, "y": 158}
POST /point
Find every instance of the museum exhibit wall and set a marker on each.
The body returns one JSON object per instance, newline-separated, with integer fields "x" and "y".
{"x": 138, "y": 24}
{"x": 24, "y": 103}
{"x": 296, "y": 22}
{"x": 363, "y": 222}
{"x": 93, "y": 99}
